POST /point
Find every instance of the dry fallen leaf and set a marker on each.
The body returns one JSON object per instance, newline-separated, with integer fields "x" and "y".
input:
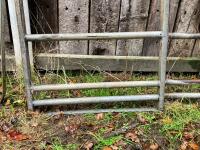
{"x": 99, "y": 116}
{"x": 35, "y": 124}
{"x": 154, "y": 146}
{"x": 76, "y": 93}
{"x": 141, "y": 119}
{"x": 2, "y": 137}
{"x": 184, "y": 145}
{"x": 107, "y": 148}
{"x": 5, "y": 127}
{"x": 194, "y": 146}
{"x": 88, "y": 145}
{"x": 17, "y": 136}
{"x": 71, "y": 129}
{"x": 114, "y": 147}
{"x": 133, "y": 137}
{"x": 188, "y": 136}
{"x": 121, "y": 143}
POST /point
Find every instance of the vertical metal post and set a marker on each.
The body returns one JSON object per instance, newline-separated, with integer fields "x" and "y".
{"x": 23, "y": 46}
{"x": 15, "y": 34}
{"x": 164, "y": 50}
{"x": 3, "y": 59}
{"x": 28, "y": 29}
{"x": 27, "y": 71}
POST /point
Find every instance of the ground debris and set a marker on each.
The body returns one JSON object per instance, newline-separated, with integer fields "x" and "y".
{"x": 17, "y": 136}
{"x": 122, "y": 130}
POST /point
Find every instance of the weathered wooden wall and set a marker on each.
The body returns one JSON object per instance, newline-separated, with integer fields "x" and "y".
{"x": 75, "y": 16}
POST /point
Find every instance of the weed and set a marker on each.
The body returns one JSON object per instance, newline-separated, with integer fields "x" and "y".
{"x": 101, "y": 142}
{"x": 181, "y": 115}
{"x": 72, "y": 146}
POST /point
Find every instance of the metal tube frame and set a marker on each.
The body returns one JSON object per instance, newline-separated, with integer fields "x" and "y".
{"x": 164, "y": 35}
{"x": 3, "y": 58}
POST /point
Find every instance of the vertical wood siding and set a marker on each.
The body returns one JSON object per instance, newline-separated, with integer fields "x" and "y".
{"x": 187, "y": 21}
{"x": 73, "y": 18}
{"x": 82, "y": 16}
{"x": 133, "y": 18}
{"x": 104, "y": 17}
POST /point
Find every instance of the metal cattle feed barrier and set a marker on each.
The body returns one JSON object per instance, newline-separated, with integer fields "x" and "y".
{"x": 164, "y": 35}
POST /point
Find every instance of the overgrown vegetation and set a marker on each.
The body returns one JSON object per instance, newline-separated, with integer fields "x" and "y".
{"x": 177, "y": 127}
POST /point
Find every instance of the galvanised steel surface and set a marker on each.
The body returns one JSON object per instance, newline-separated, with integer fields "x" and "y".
{"x": 164, "y": 50}
{"x": 3, "y": 59}
{"x": 164, "y": 35}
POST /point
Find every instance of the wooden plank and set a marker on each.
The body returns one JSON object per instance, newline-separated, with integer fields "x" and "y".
{"x": 152, "y": 46}
{"x": 196, "y": 51}
{"x": 114, "y": 63}
{"x": 134, "y": 14}
{"x": 104, "y": 17}
{"x": 73, "y": 18}
{"x": 187, "y": 21}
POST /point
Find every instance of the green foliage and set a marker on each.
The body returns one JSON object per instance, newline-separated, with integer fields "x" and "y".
{"x": 181, "y": 115}
{"x": 101, "y": 142}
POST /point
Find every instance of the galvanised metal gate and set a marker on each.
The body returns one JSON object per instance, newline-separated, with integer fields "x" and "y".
{"x": 160, "y": 97}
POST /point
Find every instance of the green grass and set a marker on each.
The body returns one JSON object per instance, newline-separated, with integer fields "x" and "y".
{"x": 181, "y": 115}
{"x": 170, "y": 124}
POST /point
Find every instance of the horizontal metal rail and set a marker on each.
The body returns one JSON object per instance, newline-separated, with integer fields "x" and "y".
{"x": 89, "y": 100}
{"x": 108, "y": 99}
{"x": 93, "y": 36}
{"x": 105, "y": 85}
{"x": 75, "y": 112}
{"x": 80, "y": 86}
{"x": 182, "y": 82}
{"x": 184, "y": 35}
{"x": 183, "y": 95}
{"x": 105, "y": 36}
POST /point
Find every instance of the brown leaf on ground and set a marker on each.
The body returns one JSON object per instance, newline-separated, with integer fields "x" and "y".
{"x": 133, "y": 137}
{"x": 88, "y": 145}
{"x": 154, "y": 146}
{"x": 188, "y": 136}
{"x": 2, "y": 137}
{"x": 71, "y": 129}
{"x": 100, "y": 116}
{"x": 4, "y": 127}
{"x": 35, "y": 124}
{"x": 184, "y": 145}
{"x": 17, "y": 136}
{"x": 141, "y": 119}
{"x": 114, "y": 147}
{"x": 121, "y": 143}
{"x": 76, "y": 93}
{"x": 194, "y": 146}
{"x": 33, "y": 113}
{"x": 107, "y": 148}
